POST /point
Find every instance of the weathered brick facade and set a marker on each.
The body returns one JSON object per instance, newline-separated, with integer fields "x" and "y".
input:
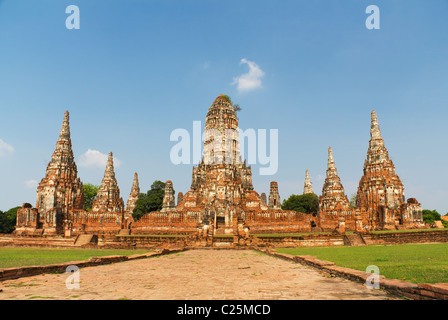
{"x": 59, "y": 192}
{"x": 380, "y": 202}
{"x": 334, "y": 207}
{"x": 381, "y": 193}
{"x": 108, "y": 197}
{"x": 221, "y": 189}
{"x": 133, "y": 196}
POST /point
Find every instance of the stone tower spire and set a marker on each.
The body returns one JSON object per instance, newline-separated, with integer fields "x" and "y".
{"x": 330, "y": 162}
{"x": 333, "y": 193}
{"x": 380, "y": 191}
{"x": 108, "y": 197}
{"x": 64, "y": 134}
{"x": 263, "y": 198}
{"x": 64, "y": 143}
{"x": 133, "y": 196}
{"x": 60, "y": 191}
{"x": 180, "y": 197}
{"x": 274, "y": 196}
{"x": 307, "y": 188}
{"x": 169, "y": 199}
{"x": 221, "y": 142}
{"x": 375, "y": 132}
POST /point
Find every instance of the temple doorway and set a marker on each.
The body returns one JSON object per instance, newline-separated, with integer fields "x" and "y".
{"x": 220, "y": 222}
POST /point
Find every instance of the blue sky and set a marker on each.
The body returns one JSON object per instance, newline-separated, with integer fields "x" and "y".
{"x": 136, "y": 70}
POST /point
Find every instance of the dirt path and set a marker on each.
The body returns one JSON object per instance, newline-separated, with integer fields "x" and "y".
{"x": 194, "y": 274}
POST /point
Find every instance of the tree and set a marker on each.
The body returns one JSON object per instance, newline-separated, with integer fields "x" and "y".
{"x": 306, "y": 203}
{"x": 90, "y": 191}
{"x": 237, "y": 107}
{"x": 8, "y": 220}
{"x": 353, "y": 200}
{"x": 234, "y": 105}
{"x": 152, "y": 200}
{"x": 429, "y": 216}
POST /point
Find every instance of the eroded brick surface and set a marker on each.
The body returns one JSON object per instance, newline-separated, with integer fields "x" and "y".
{"x": 380, "y": 195}
{"x": 108, "y": 197}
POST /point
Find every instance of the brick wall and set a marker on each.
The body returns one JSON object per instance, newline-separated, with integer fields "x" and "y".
{"x": 310, "y": 240}
{"x": 407, "y": 237}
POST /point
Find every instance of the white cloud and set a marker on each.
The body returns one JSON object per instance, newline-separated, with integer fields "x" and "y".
{"x": 31, "y": 184}
{"x": 5, "y": 148}
{"x": 94, "y": 158}
{"x": 250, "y": 80}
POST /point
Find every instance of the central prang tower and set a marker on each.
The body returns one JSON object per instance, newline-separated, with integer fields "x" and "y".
{"x": 221, "y": 136}
{"x": 221, "y": 184}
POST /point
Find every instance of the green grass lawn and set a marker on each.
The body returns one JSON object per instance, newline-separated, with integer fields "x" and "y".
{"x": 19, "y": 257}
{"x": 418, "y": 263}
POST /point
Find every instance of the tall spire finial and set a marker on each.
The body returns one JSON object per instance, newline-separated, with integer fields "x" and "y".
{"x": 110, "y": 162}
{"x": 61, "y": 177}
{"x": 108, "y": 196}
{"x": 135, "y": 185}
{"x": 109, "y": 173}
{"x": 65, "y": 129}
{"x": 330, "y": 163}
{"x": 133, "y": 196}
{"x": 307, "y": 188}
{"x": 375, "y": 132}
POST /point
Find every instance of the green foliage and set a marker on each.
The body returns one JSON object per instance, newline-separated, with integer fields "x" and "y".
{"x": 429, "y": 216}
{"x": 237, "y": 107}
{"x": 149, "y": 201}
{"x": 8, "y": 220}
{"x": 353, "y": 200}
{"x": 234, "y": 105}
{"x": 306, "y": 203}
{"x": 418, "y": 263}
{"x": 90, "y": 191}
{"x": 226, "y": 97}
{"x": 18, "y": 257}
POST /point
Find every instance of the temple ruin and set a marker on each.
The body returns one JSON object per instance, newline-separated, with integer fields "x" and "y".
{"x": 221, "y": 199}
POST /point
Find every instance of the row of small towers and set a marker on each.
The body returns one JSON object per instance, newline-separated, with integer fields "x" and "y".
{"x": 273, "y": 202}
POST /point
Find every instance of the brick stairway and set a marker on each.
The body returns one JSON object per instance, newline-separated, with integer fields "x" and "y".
{"x": 354, "y": 239}
{"x": 84, "y": 239}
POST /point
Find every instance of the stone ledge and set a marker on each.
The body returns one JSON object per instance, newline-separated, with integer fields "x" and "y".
{"x": 26, "y": 271}
{"x": 421, "y": 291}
